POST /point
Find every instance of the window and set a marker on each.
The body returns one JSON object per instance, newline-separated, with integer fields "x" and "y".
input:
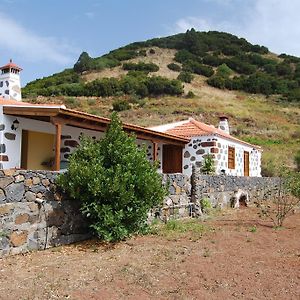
{"x": 231, "y": 157}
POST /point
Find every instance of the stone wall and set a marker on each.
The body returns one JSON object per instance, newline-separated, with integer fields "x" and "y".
{"x": 221, "y": 190}
{"x": 178, "y": 203}
{"x": 26, "y": 225}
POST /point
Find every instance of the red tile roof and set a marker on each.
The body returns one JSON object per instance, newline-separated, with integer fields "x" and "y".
{"x": 11, "y": 65}
{"x": 193, "y": 128}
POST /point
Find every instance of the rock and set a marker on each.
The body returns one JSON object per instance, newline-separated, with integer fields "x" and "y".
{"x": 9, "y": 172}
{"x": 10, "y": 136}
{"x": 2, "y": 148}
{"x": 6, "y": 209}
{"x": 4, "y": 242}
{"x": 30, "y": 196}
{"x": 28, "y": 182}
{"x": 18, "y": 238}
{"x": 22, "y": 218}
{"x": 19, "y": 178}
{"x": 2, "y": 127}
{"x": 15, "y": 192}
{"x": 2, "y": 196}
{"x": 45, "y": 182}
{"x": 5, "y": 181}
{"x": 36, "y": 180}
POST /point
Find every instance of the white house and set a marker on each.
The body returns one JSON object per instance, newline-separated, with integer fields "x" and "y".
{"x": 231, "y": 155}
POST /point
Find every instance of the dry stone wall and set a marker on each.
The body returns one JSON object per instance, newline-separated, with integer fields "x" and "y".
{"x": 27, "y": 225}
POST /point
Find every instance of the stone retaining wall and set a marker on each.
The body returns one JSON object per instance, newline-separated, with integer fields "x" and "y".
{"x": 26, "y": 225}
{"x": 220, "y": 190}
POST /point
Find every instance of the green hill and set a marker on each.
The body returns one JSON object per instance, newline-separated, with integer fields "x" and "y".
{"x": 199, "y": 74}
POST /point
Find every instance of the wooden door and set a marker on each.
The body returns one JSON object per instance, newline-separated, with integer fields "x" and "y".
{"x": 246, "y": 163}
{"x": 172, "y": 159}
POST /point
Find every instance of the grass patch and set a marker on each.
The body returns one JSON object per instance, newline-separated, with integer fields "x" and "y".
{"x": 176, "y": 229}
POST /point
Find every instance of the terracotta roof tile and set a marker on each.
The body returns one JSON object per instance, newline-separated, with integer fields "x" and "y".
{"x": 11, "y": 65}
{"x": 195, "y": 128}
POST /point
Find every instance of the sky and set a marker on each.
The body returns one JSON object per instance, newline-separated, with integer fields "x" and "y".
{"x": 45, "y": 37}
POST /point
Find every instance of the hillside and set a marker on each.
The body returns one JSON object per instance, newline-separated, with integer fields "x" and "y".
{"x": 193, "y": 74}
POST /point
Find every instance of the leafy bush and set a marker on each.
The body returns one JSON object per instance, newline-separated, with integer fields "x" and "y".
{"x": 120, "y": 105}
{"x": 145, "y": 67}
{"x": 208, "y": 165}
{"x": 190, "y": 95}
{"x": 185, "y": 77}
{"x": 174, "y": 67}
{"x": 114, "y": 182}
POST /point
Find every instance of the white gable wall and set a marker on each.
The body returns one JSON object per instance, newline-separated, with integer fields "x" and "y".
{"x": 195, "y": 151}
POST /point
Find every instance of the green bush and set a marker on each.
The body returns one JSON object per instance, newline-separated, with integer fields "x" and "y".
{"x": 174, "y": 67}
{"x": 114, "y": 182}
{"x": 185, "y": 77}
{"x": 120, "y": 105}
{"x": 145, "y": 67}
{"x": 208, "y": 165}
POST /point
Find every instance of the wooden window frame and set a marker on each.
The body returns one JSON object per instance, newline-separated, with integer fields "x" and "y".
{"x": 231, "y": 158}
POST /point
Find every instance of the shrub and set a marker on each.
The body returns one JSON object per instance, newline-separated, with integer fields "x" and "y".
{"x": 185, "y": 77}
{"x": 114, "y": 182}
{"x": 208, "y": 165}
{"x": 145, "y": 67}
{"x": 282, "y": 205}
{"x": 190, "y": 95}
{"x": 83, "y": 63}
{"x": 174, "y": 67}
{"x": 152, "y": 51}
{"x": 120, "y": 105}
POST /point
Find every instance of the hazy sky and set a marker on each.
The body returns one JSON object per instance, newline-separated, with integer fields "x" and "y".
{"x": 47, "y": 36}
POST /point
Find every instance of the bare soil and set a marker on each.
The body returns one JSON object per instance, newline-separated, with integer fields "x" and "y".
{"x": 243, "y": 257}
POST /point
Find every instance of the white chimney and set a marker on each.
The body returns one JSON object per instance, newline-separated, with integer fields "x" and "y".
{"x": 223, "y": 124}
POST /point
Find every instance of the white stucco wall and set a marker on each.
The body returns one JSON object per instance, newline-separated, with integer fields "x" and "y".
{"x": 70, "y": 139}
{"x": 195, "y": 151}
{"x": 10, "y": 86}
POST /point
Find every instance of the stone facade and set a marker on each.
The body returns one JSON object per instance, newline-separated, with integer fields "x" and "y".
{"x": 27, "y": 225}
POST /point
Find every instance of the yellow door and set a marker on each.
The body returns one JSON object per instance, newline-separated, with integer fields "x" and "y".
{"x": 37, "y": 150}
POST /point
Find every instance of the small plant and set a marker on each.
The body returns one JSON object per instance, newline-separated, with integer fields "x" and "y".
{"x": 206, "y": 205}
{"x": 190, "y": 95}
{"x": 284, "y": 203}
{"x": 152, "y": 51}
{"x": 252, "y": 229}
{"x": 72, "y": 102}
{"x": 208, "y": 166}
{"x": 120, "y": 105}
{"x": 297, "y": 161}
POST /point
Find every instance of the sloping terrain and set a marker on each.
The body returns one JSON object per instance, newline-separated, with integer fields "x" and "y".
{"x": 141, "y": 82}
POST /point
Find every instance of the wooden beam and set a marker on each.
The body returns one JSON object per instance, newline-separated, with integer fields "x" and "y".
{"x": 79, "y": 124}
{"x": 155, "y": 149}
{"x": 57, "y": 146}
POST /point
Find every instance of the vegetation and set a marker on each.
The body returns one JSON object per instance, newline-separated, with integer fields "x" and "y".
{"x": 208, "y": 165}
{"x": 175, "y": 229}
{"x": 114, "y": 182}
{"x": 144, "y": 67}
{"x": 198, "y": 52}
{"x": 174, "y": 67}
{"x": 120, "y": 105}
{"x": 185, "y": 76}
{"x": 282, "y": 205}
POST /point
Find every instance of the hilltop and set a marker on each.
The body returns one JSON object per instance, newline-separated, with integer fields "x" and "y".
{"x": 203, "y": 74}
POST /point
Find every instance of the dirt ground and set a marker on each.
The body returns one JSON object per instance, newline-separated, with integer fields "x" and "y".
{"x": 239, "y": 257}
